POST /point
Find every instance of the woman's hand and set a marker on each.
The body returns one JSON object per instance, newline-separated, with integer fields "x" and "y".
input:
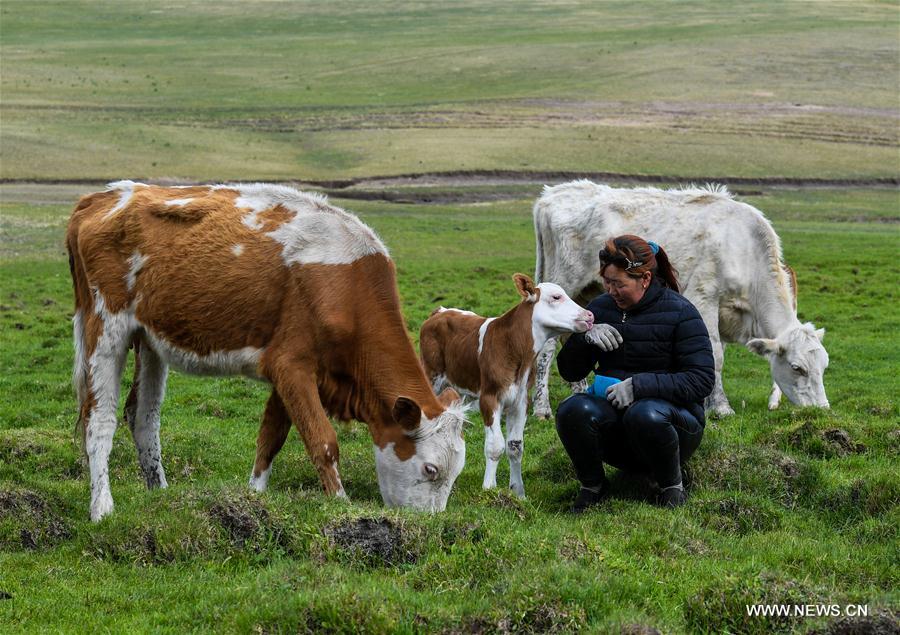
{"x": 604, "y": 337}
{"x": 621, "y": 395}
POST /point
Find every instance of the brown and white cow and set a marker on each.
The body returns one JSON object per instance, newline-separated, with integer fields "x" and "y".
{"x": 264, "y": 281}
{"x": 493, "y": 358}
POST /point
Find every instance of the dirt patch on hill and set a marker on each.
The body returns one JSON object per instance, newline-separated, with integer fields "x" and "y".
{"x": 371, "y": 541}
{"x": 31, "y": 523}
{"x": 887, "y": 623}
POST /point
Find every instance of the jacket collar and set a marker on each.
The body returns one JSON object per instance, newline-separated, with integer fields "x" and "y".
{"x": 651, "y": 295}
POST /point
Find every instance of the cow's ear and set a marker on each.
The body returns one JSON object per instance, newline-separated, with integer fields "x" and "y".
{"x": 764, "y": 347}
{"x": 525, "y": 287}
{"x": 820, "y": 333}
{"x": 407, "y": 413}
{"x": 448, "y": 397}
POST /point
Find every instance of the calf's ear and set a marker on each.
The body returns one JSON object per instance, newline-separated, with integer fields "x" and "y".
{"x": 525, "y": 287}
{"x": 447, "y": 397}
{"x": 820, "y": 333}
{"x": 407, "y": 413}
{"x": 764, "y": 347}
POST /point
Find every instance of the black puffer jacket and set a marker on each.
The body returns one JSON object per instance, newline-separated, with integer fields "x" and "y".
{"x": 665, "y": 349}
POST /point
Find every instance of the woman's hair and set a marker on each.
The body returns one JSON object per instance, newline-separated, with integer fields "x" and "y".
{"x": 635, "y": 255}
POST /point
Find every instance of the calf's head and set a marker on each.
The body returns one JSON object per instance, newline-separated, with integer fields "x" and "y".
{"x": 419, "y": 470}
{"x": 555, "y": 312}
{"x": 798, "y": 362}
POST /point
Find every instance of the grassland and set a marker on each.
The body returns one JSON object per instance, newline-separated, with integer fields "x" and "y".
{"x": 783, "y": 511}
{"x": 312, "y": 90}
{"x": 796, "y": 506}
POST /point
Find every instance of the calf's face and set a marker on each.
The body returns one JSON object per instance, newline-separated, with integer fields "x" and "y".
{"x": 554, "y": 311}
{"x": 424, "y": 480}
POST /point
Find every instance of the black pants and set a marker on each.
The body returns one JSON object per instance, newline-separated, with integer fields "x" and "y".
{"x": 652, "y": 436}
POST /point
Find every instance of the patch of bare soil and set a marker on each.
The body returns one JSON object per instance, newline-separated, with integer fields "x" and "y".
{"x": 244, "y": 518}
{"x": 886, "y": 623}
{"x": 373, "y": 540}
{"x": 546, "y": 617}
{"x": 33, "y": 517}
{"x": 842, "y": 442}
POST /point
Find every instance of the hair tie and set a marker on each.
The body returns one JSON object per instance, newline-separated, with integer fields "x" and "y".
{"x": 653, "y": 247}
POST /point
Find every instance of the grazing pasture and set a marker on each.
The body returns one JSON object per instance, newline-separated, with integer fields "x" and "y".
{"x": 795, "y": 506}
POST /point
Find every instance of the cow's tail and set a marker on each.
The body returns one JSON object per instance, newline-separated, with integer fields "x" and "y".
{"x": 84, "y": 306}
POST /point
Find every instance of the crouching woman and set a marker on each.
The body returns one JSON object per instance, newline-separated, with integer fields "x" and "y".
{"x": 653, "y": 340}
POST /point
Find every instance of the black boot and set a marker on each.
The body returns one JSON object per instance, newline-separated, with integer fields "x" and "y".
{"x": 672, "y": 497}
{"x": 588, "y": 498}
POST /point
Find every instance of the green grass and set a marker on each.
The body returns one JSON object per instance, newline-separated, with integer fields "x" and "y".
{"x": 779, "y": 514}
{"x": 273, "y": 90}
{"x": 259, "y": 90}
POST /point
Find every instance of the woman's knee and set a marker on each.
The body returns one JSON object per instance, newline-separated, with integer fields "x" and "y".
{"x": 650, "y": 417}
{"x": 651, "y": 410}
{"x": 580, "y": 411}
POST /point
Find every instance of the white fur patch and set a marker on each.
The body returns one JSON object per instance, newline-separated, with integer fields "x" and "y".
{"x": 106, "y": 365}
{"x": 261, "y": 482}
{"x": 179, "y": 202}
{"x": 318, "y": 232}
{"x": 80, "y": 369}
{"x": 462, "y": 311}
{"x": 127, "y": 189}
{"x": 135, "y": 262}
{"x": 244, "y": 361}
{"x": 482, "y": 331}
{"x": 237, "y": 250}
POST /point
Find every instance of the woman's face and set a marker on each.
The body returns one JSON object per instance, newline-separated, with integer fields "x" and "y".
{"x": 625, "y": 290}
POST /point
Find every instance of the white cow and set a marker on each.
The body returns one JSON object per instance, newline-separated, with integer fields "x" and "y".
{"x": 729, "y": 263}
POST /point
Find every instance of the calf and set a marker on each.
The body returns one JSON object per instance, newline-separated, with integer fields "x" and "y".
{"x": 264, "y": 281}
{"x": 493, "y": 358}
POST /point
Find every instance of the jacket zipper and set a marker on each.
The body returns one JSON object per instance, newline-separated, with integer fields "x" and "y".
{"x": 624, "y": 315}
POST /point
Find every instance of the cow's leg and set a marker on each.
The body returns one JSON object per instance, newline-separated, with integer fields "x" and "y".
{"x": 774, "y": 397}
{"x": 493, "y": 439}
{"x": 515, "y": 445}
{"x": 272, "y": 433}
{"x": 131, "y": 401}
{"x": 150, "y": 388}
{"x": 578, "y": 386}
{"x": 542, "y": 380}
{"x": 717, "y": 402}
{"x": 300, "y": 396}
{"x": 105, "y": 369}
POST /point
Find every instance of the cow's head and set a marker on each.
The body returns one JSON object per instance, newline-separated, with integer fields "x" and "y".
{"x": 420, "y": 472}
{"x": 555, "y": 312}
{"x": 798, "y": 361}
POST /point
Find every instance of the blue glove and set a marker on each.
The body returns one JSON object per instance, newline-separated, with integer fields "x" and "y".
{"x": 601, "y": 383}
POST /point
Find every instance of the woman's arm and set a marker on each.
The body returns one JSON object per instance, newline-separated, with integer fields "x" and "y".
{"x": 576, "y": 358}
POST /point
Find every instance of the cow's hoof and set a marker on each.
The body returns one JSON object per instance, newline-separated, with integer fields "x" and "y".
{"x": 722, "y": 411}
{"x": 101, "y": 506}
